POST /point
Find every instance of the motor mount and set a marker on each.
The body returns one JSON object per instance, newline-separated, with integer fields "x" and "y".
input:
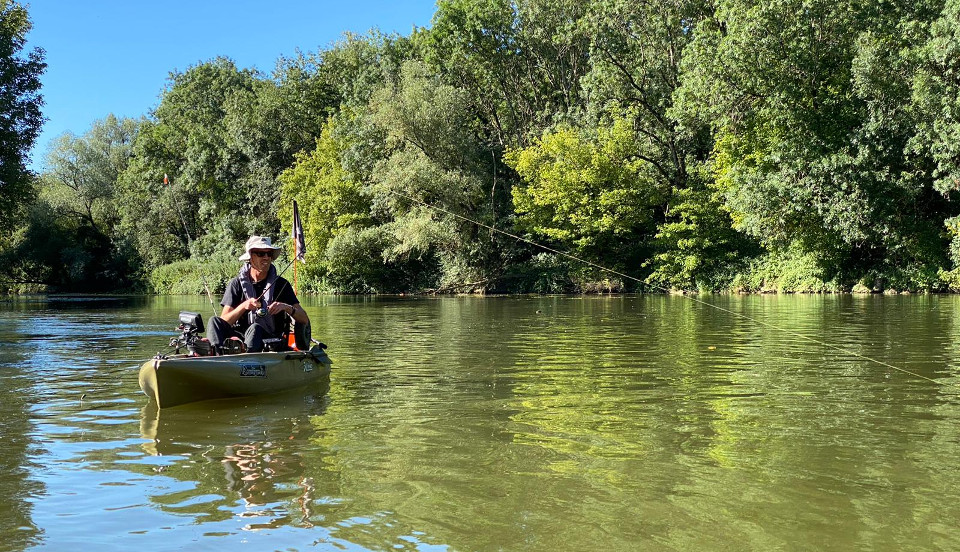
{"x": 191, "y": 330}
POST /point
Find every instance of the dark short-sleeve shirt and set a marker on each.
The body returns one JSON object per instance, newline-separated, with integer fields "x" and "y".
{"x": 283, "y": 292}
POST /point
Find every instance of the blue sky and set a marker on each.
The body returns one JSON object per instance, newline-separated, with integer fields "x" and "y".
{"x": 114, "y": 56}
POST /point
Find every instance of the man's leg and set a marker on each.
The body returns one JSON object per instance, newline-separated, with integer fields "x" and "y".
{"x": 254, "y": 337}
{"x": 219, "y": 331}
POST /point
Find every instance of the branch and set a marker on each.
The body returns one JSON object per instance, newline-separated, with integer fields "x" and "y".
{"x": 636, "y": 86}
{"x": 454, "y": 287}
{"x": 9, "y": 280}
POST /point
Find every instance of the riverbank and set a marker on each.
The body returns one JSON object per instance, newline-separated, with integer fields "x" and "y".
{"x": 67, "y": 298}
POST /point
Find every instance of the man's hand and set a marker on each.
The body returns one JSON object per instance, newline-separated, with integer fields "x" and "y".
{"x": 231, "y": 315}
{"x": 277, "y": 307}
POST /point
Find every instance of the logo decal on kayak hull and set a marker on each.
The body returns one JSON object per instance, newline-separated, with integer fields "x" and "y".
{"x": 253, "y": 371}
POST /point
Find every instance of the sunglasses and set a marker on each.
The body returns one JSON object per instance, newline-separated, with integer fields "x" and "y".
{"x": 261, "y": 253}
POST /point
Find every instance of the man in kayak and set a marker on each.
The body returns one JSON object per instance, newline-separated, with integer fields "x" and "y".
{"x": 257, "y": 302}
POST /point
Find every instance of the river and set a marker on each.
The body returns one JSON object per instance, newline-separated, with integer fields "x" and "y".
{"x": 498, "y": 423}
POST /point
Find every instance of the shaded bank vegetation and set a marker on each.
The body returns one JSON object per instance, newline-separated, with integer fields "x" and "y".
{"x": 785, "y": 145}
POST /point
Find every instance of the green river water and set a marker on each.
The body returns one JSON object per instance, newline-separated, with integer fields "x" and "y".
{"x": 481, "y": 424}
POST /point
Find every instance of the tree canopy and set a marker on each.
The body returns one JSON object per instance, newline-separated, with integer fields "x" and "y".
{"x": 20, "y": 103}
{"x": 693, "y": 144}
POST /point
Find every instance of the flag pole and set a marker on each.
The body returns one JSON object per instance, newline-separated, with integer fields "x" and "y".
{"x": 299, "y": 244}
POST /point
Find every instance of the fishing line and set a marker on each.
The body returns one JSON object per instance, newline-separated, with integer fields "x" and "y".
{"x": 694, "y": 299}
{"x": 203, "y": 278}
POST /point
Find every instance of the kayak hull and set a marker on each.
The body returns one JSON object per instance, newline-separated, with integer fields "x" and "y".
{"x": 180, "y": 379}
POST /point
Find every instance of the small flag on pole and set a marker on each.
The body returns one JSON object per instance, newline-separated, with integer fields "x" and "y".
{"x": 299, "y": 242}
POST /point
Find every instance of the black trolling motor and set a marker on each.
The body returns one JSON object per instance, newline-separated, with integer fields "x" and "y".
{"x": 191, "y": 335}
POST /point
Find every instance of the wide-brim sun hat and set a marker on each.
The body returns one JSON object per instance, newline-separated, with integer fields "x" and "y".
{"x": 259, "y": 242}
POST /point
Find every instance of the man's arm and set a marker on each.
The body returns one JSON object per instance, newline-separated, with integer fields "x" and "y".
{"x": 295, "y": 310}
{"x": 288, "y": 303}
{"x": 232, "y": 314}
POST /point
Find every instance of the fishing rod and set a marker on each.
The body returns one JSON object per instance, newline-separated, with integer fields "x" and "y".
{"x": 262, "y": 311}
{"x": 302, "y": 333}
{"x": 176, "y": 203}
{"x": 661, "y": 288}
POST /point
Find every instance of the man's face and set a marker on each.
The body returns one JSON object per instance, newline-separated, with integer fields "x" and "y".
{"x": 261, "y": 259}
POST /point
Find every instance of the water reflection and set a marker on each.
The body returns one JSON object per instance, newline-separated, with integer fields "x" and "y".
{"x": 16, "y": 431}
{"x": 538, "y": 423}
{"x": 246, "y": 457}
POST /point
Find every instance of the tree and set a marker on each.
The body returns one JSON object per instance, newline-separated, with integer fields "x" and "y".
{"x": 637, "y": 51}
{"x": 811, "y": 122}
{"x": 436, "y": 168}
{"x": 356, "y": 66}
{"x": 591, "y": 196}
{"x": 632, "y": 168}
{"x": 20, "y": 103}
{"x": 519, "y": 62}
{"x": 935, "y": 101}
{"x": 385, "y": 183}
{"x": 331, "y": 202}
{"x": 223, "y": 135}
{"x": 82, "y": 172}
{"x": 69, "y": 240}
{"x": 208, "y": 136}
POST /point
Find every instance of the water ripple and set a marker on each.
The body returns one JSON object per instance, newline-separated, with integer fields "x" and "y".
{"x": 533, "y": 423}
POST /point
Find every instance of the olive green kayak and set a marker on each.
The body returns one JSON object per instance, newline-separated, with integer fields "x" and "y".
{"x": 178, "y": 379}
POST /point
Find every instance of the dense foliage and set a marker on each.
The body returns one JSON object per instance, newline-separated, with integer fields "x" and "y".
{"x": 20, "y": 104}
{"x": 789, "y": 145}
{"x": 20, "y": 121}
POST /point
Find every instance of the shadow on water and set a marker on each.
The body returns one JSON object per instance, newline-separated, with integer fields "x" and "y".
{"x": 77, "y": 302}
